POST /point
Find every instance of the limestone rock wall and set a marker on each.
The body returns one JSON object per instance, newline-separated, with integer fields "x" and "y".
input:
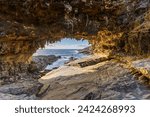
{"x": 14, "y": 59}
{"x": 109, "y": 25}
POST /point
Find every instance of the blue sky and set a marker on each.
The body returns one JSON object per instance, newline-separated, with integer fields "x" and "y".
{"x": 67, "y": 43}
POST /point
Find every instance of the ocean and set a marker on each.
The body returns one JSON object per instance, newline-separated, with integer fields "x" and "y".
{"x": 65, "y": 54}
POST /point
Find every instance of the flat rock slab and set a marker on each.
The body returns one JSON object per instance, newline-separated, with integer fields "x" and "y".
{"x": 143, "y": 66}
{"x": 108, "y": 80}
{"x": 91, "y": 60}
{"x": 5, "y": 96}
{"x": 23, "y": 89}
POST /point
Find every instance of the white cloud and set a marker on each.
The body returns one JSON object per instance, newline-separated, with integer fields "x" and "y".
{"x": 59, "y": 46}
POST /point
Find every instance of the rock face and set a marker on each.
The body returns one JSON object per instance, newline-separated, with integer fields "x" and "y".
{"x": 16, "y": 61}
{"x": 15, "y": 57}
{"x": 142, "y": 66}
{"x": 39, "y": 63}
{"x": 20, "y": 80}
{"x": 19, "y": 72}
{"x": 22, "y": 89}
{"x": 109, "y": 26}
{"x": 87, "y": 50}
{"x": 105, "y": 80}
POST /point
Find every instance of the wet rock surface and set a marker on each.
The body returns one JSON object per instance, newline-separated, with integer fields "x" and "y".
{"x": 109, "y": 80}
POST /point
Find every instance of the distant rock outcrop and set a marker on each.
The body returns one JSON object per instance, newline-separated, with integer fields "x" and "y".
{"x": 87, "y": 50}
{"x": 39, "y": 63}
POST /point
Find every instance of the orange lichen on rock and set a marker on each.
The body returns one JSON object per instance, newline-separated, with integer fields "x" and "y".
{"x": 106, "y": 41}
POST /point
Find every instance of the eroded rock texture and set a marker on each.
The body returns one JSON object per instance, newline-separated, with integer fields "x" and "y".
{"x": 111, "y": 26}
{"x": 108, "y": 81}
{"x": 118, "y": 25}
{"x": 14, "y": 58}
{"x": 19, "y": 71}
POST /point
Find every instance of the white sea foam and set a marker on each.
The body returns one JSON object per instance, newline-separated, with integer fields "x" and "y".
{"x": 66, "y": 55}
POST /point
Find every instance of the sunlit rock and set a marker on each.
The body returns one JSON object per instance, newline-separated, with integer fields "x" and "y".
{"x": 142, "y": 66}
{"x": 31, "y": 20}
{"x": 111, "y": 27}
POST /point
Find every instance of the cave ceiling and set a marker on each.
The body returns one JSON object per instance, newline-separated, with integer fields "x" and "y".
{"x": 109, "y": 25}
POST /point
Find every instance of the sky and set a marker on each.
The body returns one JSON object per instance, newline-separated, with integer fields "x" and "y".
{"x": 67, "y": 43}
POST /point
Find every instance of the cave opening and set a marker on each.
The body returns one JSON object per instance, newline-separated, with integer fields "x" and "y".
{"x": 32, "y": 44}
{"x": 27, "y": 58}
{"x": 66, "y": 50}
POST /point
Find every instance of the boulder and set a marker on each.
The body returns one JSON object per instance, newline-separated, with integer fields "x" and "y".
{"x": 39, "y": 63}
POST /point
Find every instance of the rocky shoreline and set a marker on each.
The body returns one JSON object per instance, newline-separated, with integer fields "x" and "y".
{"x": 106, "y": 78}
{"x": 87, "y": 50}
{"x": 27, "y": 85}
{"x": 93, "y": 77}
{"x": 113, "y": 27}
{"x": 39, "y": 63}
